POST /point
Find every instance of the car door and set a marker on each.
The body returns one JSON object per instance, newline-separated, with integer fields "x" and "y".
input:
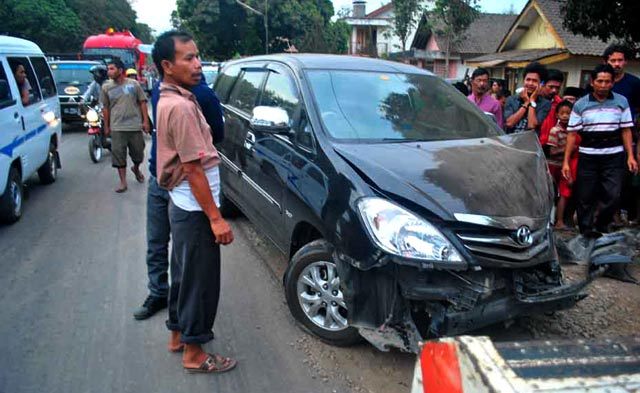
{"x": 50, "y": 106}
{"x": 10, "y": 123}
{"x": 31, "y": 121}
{"x": 238, "y": 144}
{"x": 269, "y": 166}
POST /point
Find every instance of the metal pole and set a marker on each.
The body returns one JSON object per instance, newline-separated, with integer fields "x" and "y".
{"x": 266, "y": 26}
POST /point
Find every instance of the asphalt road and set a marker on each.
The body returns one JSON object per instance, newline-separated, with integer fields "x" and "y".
{"x": 73, "y": 271}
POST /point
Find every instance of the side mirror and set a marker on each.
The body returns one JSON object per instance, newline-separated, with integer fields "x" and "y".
{"x": 270, "y": 119}
{"x": 491, "y": 116}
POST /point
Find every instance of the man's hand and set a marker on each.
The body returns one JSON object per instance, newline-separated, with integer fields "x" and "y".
{"x": 222, "y": 231}
{"x": 146, "y": 127}
{"x": 536, "y": 92}
{"x": 633, "y": 165}
{"x": 524, "y": 96}
{"x": 566, "y": 172}
{"x": 107, "y": 130}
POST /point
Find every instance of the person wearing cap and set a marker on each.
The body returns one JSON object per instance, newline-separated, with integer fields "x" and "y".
{"x": 99, "y": 73}
{"x": 131, "y": 73}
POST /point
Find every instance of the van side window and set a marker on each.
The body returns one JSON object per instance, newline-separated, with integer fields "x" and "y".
{"x": 246, "y": 90}
{"x": 281, "y": 92}
{"x": 224, "y": 82}
{"x": 25, "y": 79}
{"x": 6, "y": 99}
{"x": 43, "y": 73}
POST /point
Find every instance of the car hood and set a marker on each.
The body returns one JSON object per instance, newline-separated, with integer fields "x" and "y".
{"x": 503, "y": 176}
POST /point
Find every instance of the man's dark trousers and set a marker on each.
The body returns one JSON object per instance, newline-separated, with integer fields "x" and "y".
{"x": 158, "y": 234}
{"x": 195, "y": 276}
{"x": 599, "y": 180}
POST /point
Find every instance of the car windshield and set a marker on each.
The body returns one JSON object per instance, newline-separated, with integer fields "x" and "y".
{"x": 210, "y": 75}
{"x": 71, "y": 75}
{"x": 363, "y": 106}
{"x": 128, "y": 56}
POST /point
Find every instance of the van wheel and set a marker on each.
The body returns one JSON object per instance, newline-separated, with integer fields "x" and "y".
{"x": 12, "y": 197}
{"x": 48, "y": 172}
{"x": 227, "y": 208}
{"x": 315, "y": 297}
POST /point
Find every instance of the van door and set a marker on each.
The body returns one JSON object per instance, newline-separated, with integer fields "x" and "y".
{"x": 31, "y": 122}
{"x": 10, "y": 123}
{"x": 50, "y": 104}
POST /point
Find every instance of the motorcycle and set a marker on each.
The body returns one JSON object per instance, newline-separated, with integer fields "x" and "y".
{"x": 98, "y": 141}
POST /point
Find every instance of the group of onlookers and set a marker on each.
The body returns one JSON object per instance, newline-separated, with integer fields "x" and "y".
{"x": 588, "y": 135}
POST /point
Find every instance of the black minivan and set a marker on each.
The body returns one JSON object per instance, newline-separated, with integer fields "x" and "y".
{"x": 405, "y": 212}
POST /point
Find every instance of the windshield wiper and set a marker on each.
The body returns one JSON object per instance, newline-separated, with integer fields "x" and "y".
{"x": 402, "y": 140}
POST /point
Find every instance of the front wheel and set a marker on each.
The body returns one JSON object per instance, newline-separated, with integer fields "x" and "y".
{"x": 48, "y": 172}
{"x": 314, "y": 295}
{"x": 95, "y": 149}
{"x": 11, "y": 198}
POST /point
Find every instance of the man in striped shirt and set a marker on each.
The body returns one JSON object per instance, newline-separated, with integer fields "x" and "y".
{"x": 604, "y": 122}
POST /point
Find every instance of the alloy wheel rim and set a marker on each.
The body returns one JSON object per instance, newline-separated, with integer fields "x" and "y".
{"x": 320, "y": 296}
{"x": 53, "y": 169}
{"x": 17, "y": 198}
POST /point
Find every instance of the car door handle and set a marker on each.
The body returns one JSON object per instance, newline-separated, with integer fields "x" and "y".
{"x": 22, "y": 119}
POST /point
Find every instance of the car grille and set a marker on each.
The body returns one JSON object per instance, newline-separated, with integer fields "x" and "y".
{"x": 500, "y": 245}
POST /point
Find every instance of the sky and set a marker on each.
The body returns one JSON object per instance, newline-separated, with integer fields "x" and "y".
{"x": 157, "y": 13}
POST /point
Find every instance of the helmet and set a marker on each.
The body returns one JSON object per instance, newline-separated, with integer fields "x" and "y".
{"x": 131, "y": 72}
{"x": 99, "y": 73}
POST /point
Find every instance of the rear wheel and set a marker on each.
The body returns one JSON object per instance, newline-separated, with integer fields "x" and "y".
{"x": 314, "y": 295}
{"x": 12, "y": 197}
{"x": 48, "y": 172}
{"x": 95, "y": 149}
{"x": 227, "y": 208}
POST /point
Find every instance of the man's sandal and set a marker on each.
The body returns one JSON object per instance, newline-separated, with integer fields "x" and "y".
{"x": 213, "y": 364}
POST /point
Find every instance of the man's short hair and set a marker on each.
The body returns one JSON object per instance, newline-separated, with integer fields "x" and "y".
{"x": 116, "y": 62}
{"x": 562, "y": 104}
{"x": 613, "y": 48}
{"x": 574, "y": 91}
{"x": 479, "y": 72}
{"x": 602, "y": 68}
{"x": 554, "y": 75}
{"x": 538, "y": 69}
{"x": 165, "y": 47}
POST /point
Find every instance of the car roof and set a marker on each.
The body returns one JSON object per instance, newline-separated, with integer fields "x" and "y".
{"x": 336, "y": 62}
{"x": 75, "y": 62}
{"x": 18, "y": 46}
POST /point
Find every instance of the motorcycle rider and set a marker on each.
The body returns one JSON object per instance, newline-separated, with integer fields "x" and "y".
{"x": 93, "y": 91}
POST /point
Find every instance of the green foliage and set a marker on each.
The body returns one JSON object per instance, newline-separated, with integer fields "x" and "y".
{"x": 453, "y": 18}
{"x": 223, "y": 28}
{"x": 63, "y": 25}
{"x": 603, "y": 19}
{"x": 405, "y": 17}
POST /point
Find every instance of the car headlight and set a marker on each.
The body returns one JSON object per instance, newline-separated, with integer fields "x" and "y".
{"x": 402, "y": 233}
{"x": 92, "y": 115}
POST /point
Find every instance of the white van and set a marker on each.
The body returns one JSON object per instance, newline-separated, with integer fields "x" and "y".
{"x": 30, "y": 126}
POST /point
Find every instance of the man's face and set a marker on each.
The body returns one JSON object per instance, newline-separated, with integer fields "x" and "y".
{"x": 186, "y": 69}
{"x": 531, "y": 82}
{"x": 617, "y": 61}
{"x": 551, "y": 89}
{"x": 113, "y": 72}
{"x": 603, "y": 84}
{"x": 480, "y": 84}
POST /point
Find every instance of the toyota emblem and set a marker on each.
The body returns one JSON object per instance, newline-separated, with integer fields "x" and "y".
{"x": 523, "y": 236}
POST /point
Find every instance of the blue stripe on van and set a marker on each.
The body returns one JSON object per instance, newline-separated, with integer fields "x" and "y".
{"x": 19, "y": 140}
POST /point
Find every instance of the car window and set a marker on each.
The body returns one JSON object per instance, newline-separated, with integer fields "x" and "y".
{"x": 224, "y": 82}
{"x": 246, "y": 90}
{"x": 281, "y": 92}
{"x": 29, "y": 90}
{"x": 6, "y": 98}
{"x": 47, "y": 86}
{"x": 304, "y": 134}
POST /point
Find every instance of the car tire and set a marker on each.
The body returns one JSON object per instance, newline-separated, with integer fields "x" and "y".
{"x": 309, "y": 304}
{"x": 12, "y": 198}
{"x": 227, "y": 208}
{"x": 48, "y": 172}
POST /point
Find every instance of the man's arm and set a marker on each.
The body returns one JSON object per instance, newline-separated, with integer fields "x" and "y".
{"x": 627, "y": 140}
{"x": 201, "y": 191}
{"x": 497, "y": 112}
{"x": 514, "y": 115}
{"x": 145, "y": 117}
{"x": 106, "y": 120}
{"x": 566, "y": 169}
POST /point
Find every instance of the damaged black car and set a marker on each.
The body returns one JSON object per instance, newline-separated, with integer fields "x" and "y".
{"x": 405, "y": 211}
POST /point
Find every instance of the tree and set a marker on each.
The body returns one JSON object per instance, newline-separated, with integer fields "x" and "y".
{"x": 604, "y": 19}
{"x": 405, "y": 17}
{"x": 454, "y": 17}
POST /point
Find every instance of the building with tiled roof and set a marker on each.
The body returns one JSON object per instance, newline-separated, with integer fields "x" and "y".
{"x": 538, "y": 34}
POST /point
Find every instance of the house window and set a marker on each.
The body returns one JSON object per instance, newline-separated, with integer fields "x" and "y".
{"x": 585, "y": 78}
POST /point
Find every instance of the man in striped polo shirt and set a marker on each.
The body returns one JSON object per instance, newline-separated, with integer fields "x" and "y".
{"x": 604, "y": 122}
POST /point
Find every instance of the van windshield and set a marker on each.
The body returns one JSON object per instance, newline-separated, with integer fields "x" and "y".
{"x": 376, "y": 106}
